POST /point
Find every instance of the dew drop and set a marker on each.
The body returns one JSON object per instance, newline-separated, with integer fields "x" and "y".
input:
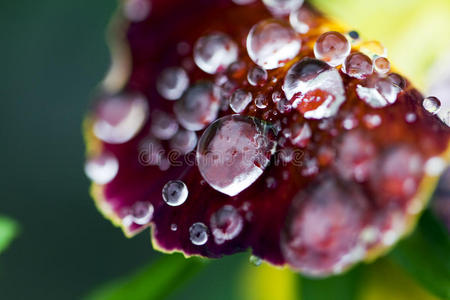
{"x": 382, "y": 65}
{"x": 172, "y": 82}
{"x": 137, "y": 10}
{"x": 198, "y": 234}
{"x": 226, "y": 224}
{"x": 234, "y": 151}
{"x": 257, "y": 76}
{"x": 261, "y": 101}
{"x": 357, "y": 65}
{"x": 411, "y": 117}
{"x": 101, "y": 169}
{"x": 173, "y": 227}
{"x": 271, "y": 43}
{"x": 198, "y": 107}
{"x": 184, "y": 141}
{"x": 302, "y": 20}
{"x": 432, "y": 105}
{"x": 142, "y": 212}
{"x": 240, "y": 100}
{"x": 332, "y": 47}
{"x": 175, "y": 192}
{"x": 163, "y": 126}
{"x": 283, "y": 7}
{"x": 372, "y": 120}
{"x": 255, "y": 260}
{"x": 215, "y": 52}
{"x": 119, "y": 118}
{"x": 378, "y": 92}
{"x": 314, "y": 88}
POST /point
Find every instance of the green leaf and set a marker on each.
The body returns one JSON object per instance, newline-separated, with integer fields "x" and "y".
{"x": 8, "y": 230}
{"x": 342, "y": 287}
{"x": 425, "y": 256}
{"x": 155, "y": 281}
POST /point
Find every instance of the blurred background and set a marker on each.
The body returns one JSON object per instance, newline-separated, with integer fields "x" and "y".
{"x": 53, "y": 55}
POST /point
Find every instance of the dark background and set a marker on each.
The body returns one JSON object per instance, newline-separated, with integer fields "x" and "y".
{"x": 53, "y": 53}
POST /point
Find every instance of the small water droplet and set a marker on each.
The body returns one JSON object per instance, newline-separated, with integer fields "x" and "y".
{"x": 332, "y": 47}
{"x": 198, "y": 234}
{"x": 255, "y": 260}
{"x": 215, "y": 52}
{"x": 175, "y": 192}
{"x": 184, "y": 141}
{"x": 257, "y": 76}
{"x": 233, "y": 152}
{"x": 271, "y": 43}
{"x": 172, "y": 82}
{"x": 198, "y": 107}
{"x": 163, "y": 126}
{"x": 372, "y": 120}
{"x": 226, "y": 224}
{"x": 239, "y": 100}
{"x": 432, "y": 105}
{"x": 261, "y": 101}
{"x": 302, "y": 20}
{"x": 119, "y": 118}
{"x": 410, "y": 117}
{"x": 283, "y": 7}
{"x": 173, "y": 227}
{"x": 142, "y": 212}
{"x": 357, "y": 65}
{"x": 382, "y": 65}
{"x": 101, "y": 169}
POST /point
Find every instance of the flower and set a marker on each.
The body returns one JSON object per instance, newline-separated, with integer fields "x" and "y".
{"x": 226, "y": 129}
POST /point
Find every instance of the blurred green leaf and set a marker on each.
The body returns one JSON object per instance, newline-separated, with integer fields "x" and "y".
{"x": 342, "y": 287}
{"x": 8, "y": 230}
{"x": 425, "y": 256}
{"x": 155, "y": 281}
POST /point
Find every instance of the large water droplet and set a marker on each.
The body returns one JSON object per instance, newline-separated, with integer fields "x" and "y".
{"x": 175, "y": 192}
{"x": 332, "y": 47}
{"x": 432, "y": 105}
{"x": 239, "y": 100}
{"x": 314, "y": 88}
{"x": 163, "y": 126}
{"x": 198, "y": 107}
{"x": 119, "y": 118}
{"x": 283, "y": 7}
{"x": 302, "y": 20}
{"x": 234, "y": 151}
{"x": 172, "y": 83}
{"x": 271, "y": 43}
{"x": 226, "y": 224}
{"x": 378, "y": 92}
{"x": 215, "y": 52}
{"x": 184, "y": 141}
{"x": 357, "y": 65}
{"x": 101, "y": 169}
{"x": 198, "y": 233}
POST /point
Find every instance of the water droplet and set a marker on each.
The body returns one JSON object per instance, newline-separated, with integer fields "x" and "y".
{"x": 198, "y": 233}
{"x": 300, "y": 134}
{"x": 255, "y": 260}
{"x": 432, "y": 105}
{"x": 119, "y": 118}
{"x": 101, "y": 169}
{"x": 373, "y": 49}
{"x": 271, "y": 43}
{"x": 284, "y": 106}
{"x": 314, "y": 88}
{"x": 215, "y": 52}
{"x": 226, "y": 224}
{"x": 380, "y": 92}
{"x": 184, "y": 141}
{"x": 261, "y": 101}
{"x": 239, "y": 100}
{"x": 172, "y": 82}
{"x": 173, "y": 227}
{"x": 302, "y": 20}
{"x": 283, "y": 7}
{"x": 357, "y": 65}
{"x": 349, "y": 122}
{"x": 163, "y": 126}
{"x": 382, "y": 65}
{"x": 198, "y": 107}
{"x": 332, "y": 47}
{"x": 257, "y": 76}
{"x": 175, "y": 192}
{"x": 142, "y": 212}
{"x": 372, "y": 120}
{"x": 234, "y": 151}
{"x": 137, "y": 10}
{"x": 410, "y": 117}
